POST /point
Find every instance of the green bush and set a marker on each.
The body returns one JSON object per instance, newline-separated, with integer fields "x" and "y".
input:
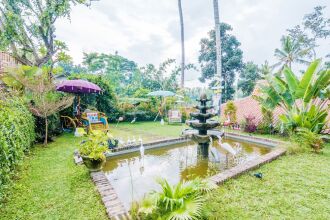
{"x": 304, "y": 139}
{"x": 16, "y": 136}
{"x": 266, "y": 126}
{"x": 54, "y": 127}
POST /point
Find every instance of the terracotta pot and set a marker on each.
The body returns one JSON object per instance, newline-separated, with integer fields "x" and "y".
{"x": 93, "y": 165}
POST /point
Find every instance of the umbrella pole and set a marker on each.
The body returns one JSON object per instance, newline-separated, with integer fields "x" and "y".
{"x": 79, "y": 105}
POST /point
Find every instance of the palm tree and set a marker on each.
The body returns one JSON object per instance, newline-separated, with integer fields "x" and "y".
{"x": 291, "y": 52}
{"x": 266, "y": 69}
{"x": 218, "y": 46}
{"x": 182, "y": 44}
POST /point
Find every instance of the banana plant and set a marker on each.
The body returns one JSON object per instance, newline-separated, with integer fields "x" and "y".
{"x": 305, "y": 101}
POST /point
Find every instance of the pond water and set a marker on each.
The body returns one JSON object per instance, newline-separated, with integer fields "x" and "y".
{"x": 133, "y": 176}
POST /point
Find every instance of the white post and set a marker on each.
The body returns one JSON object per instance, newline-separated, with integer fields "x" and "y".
{"x": 218, "y": 47}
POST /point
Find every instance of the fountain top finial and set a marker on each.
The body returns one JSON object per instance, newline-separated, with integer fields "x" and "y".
{"x": 203, "y": 96}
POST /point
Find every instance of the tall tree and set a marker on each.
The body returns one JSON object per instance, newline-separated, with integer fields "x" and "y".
{"x": 27, "y": 29}
{"x": 218, "y": 47}
{"x": 117, "y": 69}
{"x": 182, "y": 44}
{"x": 248, "y": 78}
{"x": 291, "y": 52}
{"x": 231, "y": 57}
{"x": 313, "y": 28}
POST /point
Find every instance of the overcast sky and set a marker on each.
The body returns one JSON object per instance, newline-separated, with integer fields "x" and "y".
{"x": 148, "y": 31}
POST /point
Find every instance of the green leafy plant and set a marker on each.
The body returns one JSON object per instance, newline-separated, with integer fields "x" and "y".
{"x": 181, "y": 201}
{"x": 95, "y": 146}
{"x": 230, "y": 110}
{"x": 16, "y": 136}
{"x": 266, "y": 126}
{"x": 303, "y": 100}
{"x": 306, "y": 139}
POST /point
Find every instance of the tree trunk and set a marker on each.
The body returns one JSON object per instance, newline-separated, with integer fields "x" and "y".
{"x": 46, "y": 131}
{"x": 218, "y": 47}
{"x": 182, "y": 44}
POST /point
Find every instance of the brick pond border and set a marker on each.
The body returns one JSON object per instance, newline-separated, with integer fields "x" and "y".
{"x": 245, "y": 167}
{"x": 114, "y": 207}
{"x": 116, "y": 210}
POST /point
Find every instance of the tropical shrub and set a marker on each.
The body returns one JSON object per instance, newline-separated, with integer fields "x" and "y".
{"x": 54, "y": 127}
{"x": 266, "y": 126}
{"x": 144, "y": 111}
{"x": 305, "y": 140}
{"x": 181, "y": 201}
{"x": 304, "y": 101}
{"x": 16, "y": 136}
{"x": 250, "y": 125}
{"x": 230, "y": 110}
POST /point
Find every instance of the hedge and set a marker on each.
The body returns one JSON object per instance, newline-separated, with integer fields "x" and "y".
{"x": 16, "y": 136}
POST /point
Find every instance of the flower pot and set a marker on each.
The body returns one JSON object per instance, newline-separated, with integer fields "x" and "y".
{"x": 93, "y": 165}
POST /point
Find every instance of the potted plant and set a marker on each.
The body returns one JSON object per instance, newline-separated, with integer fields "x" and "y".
{"x": 93, "y": 149}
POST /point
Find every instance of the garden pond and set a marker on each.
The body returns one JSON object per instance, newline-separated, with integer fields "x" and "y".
{"x": 132, "y": 176}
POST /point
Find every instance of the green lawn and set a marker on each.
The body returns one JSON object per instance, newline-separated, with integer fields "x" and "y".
{"x": 51, "y": 186}
{"x": 148, "y": 131}
{"x": 293, "y": 187}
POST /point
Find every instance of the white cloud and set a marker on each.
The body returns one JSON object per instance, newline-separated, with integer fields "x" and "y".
{"x": 147, "y": 31}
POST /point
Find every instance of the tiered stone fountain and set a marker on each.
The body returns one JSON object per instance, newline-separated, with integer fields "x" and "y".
{"x": 203, "y": 124}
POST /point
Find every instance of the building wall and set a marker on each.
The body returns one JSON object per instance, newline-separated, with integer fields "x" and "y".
{"x": 6, "y": 60}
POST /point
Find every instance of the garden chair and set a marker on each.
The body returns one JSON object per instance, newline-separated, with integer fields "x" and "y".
{"x": 69, "y": 123}
{"x": 94, "y": 120}
{"x": 174, "y": 116}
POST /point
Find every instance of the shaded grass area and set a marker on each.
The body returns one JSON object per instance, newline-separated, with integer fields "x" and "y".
{"x": 51, "y": 186}
{"x": 293, "y": 187}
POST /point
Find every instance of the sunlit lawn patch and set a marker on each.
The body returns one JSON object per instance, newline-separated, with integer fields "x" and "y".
{"x": 293, "y": 187}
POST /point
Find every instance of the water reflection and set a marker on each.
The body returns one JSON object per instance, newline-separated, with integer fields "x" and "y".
{"x": 132, "y": 175}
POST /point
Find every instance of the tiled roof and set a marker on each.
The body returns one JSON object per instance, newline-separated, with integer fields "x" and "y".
{"x": 249, "y": 106}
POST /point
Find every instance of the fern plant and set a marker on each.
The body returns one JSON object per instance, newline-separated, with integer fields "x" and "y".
{"x": 182, "y": 201}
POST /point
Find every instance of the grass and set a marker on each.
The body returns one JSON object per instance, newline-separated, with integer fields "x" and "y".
{"x": 269, "y": 136}
{"x": 148, "y": 131}
{"x": 51, "y": 186}
{"x": 293, "y": 187}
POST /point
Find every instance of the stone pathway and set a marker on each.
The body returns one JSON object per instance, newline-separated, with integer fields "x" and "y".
{"x": 115, "y": 209}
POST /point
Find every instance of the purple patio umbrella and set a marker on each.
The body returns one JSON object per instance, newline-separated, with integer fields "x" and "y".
{"x": 78, "y": 86}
